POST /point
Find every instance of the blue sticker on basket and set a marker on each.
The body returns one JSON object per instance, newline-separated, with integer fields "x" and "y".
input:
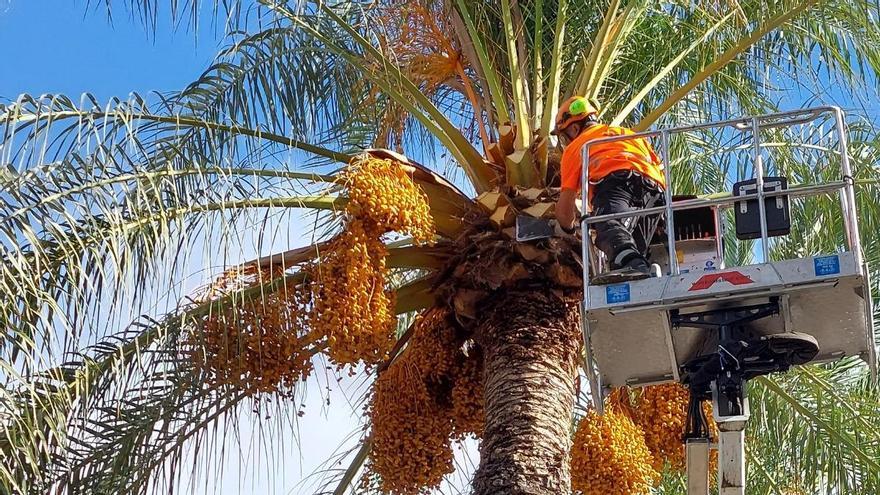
{"x": 618, "y": 293}
{"x": 826, "y": 265}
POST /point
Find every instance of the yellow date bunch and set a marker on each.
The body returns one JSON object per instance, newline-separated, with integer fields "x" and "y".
{"x": 430, "y": 395}
{"x": 654, "y": 418}
{"x": 352, "y": 310}
{"x": 256, "y": 344}
{"x": 381, "y": 192}
{"x": 339, "y": 304}
{"x": 468, "y": 414}
{"x": 609, "y": 456}
{"x": 661, "y": 412}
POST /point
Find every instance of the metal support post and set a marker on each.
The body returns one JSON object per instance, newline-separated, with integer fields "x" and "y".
{"x": 670, "y": 221}
{"x": 871, "y": 358}
{"x": 759, "y": 183}
{"x": 585, "y": 228}
{"x": 590, "y": 364}
{"x": 697, "y": 455}
{"x": 719, "y": 236}
{"x": 731, "y": 458}
{"x": 592, "y": 375}
{"x": 847, "y": 196}
{"x": 731, "y": 412}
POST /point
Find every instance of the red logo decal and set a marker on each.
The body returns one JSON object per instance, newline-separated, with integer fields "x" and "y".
{"x": 734, "y": 278}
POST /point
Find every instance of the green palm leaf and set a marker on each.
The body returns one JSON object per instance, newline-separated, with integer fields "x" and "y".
{"x": 101, "y": 201}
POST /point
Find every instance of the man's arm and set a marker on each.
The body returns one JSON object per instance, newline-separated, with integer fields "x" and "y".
{"x": 565, "y": 208}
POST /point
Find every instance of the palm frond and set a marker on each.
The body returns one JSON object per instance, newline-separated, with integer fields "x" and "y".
{"x": 587, "y": 75}
{"x": 513, "y": 32}
{"x": 486, "y": 70}
{"x": 397, "y": 86}
{"x": 555, "y": 77}
{"x": 76, "y": 233}
{"x": 665, "y": 71}
{"x": 722, "y": 60}
{"x": 825, "y": 454}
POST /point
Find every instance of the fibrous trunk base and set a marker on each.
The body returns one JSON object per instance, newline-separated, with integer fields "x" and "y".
{"x": 530, "y": 343}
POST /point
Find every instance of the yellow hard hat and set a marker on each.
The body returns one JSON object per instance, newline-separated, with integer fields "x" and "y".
{"x": 573, "y": 110}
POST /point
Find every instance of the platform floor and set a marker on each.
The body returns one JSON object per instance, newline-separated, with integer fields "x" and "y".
{"x": 633, "y": 342}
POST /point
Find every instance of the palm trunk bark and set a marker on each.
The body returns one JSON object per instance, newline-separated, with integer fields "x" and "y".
{"x": 530, "y": 341}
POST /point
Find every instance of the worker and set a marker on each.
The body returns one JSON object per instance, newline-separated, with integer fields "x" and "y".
{"x": 624, "y": 175}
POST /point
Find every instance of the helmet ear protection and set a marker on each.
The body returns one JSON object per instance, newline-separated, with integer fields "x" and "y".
{"x": 578, "y": 106}
{"x": 583, "y": 105}
{"x": 576, "y": 109}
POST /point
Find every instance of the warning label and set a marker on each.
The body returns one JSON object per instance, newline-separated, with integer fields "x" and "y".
{"x": 618, "y": 293}
{"x": 733, "y": 278}
{"x": 826, "y": 265}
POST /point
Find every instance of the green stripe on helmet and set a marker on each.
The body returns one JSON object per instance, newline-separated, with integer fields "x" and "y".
{"x": 578, "y": 106}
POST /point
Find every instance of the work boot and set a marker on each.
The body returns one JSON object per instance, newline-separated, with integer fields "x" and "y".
{"x": 636, "y": 268}
{"x": 638, "y": 264}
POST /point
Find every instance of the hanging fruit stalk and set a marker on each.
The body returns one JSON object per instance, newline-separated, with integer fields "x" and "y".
{"x": 640, "y": 435}
{"x": 609, "y": 456}
{"x": 340, "y": 304}
{"x": 429, "y": 396}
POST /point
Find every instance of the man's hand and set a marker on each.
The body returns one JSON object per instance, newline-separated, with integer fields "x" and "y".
{"x": 565, "y": 208}
{"x": 560, "y": 232}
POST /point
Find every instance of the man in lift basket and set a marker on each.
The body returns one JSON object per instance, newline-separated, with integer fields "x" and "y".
{"x": 624, "y": 176}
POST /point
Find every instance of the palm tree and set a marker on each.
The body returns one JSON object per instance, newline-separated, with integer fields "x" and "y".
{"x": 102, "y": 202}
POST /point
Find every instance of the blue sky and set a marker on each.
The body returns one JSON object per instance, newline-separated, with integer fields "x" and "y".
{"x": 58, "y": 46}
{"x": 52, "y": 46}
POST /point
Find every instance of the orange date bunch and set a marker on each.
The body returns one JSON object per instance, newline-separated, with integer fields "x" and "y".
{"x": 255, "y": 344}
{"x": 352, "y": 310}
{"x": 609, "y": 456}
{"x": 468, "y": 414}
{"x": 382, "y": 193}
{"x": 339, "y": 305}
{"x": 661, "y": 412}
{"x": 430, "y": 395}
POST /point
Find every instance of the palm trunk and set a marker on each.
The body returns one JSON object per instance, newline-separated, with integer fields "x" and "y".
{"x": 530, "y": 341}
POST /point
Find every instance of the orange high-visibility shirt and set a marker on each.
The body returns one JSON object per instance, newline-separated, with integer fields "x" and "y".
{"x": 631, "y": 154}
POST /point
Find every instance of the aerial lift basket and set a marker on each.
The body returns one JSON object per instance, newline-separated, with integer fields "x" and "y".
{"x": 713, "y": 327}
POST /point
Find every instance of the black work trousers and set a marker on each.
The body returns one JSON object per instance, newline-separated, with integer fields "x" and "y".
{"x": 623, "y": 239}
